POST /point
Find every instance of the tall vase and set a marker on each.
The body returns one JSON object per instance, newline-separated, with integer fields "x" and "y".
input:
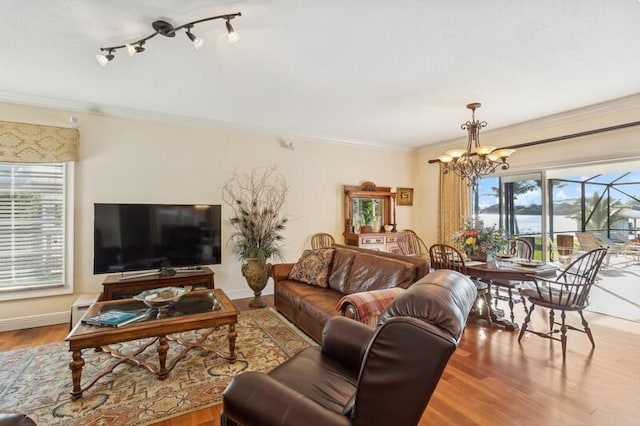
{"x": 257, "y": 272}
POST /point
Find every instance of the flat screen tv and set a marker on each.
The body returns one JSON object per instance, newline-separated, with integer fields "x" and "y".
{"x": 140, "y": 237}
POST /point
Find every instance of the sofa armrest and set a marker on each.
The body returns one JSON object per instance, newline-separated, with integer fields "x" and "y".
{"x": 367, "y": 306}
{"x": 280, "y": 271}
{"x": 346, "y": 340}
{"x": 254, "y": 398}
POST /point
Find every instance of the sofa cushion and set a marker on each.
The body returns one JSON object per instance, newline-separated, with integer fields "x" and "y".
{"x": 421, "y": 265}
{"x": 307, "y": 306}
{"x": 370, "y": 272}
{"x": 342, "y": 260}
{"x": 551, "y": 296}
{"x": 319, "y": 378}
{"x": 313, "y": 267}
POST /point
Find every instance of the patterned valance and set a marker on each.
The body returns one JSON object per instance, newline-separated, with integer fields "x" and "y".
{"x": 32, "y": 143}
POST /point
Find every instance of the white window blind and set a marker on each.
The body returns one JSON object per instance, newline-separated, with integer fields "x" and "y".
{"x": 32, "y": 225}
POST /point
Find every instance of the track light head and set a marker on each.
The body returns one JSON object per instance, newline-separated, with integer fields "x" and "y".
{"x": 105, "y": 59}
{"x": 232, "y": 35}
{"x": 197, "y": 41}
{"x": 132, "y": 49}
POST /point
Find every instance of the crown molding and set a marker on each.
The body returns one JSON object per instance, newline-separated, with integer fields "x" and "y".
{"x": 180, "y": 120}
{"x": 615, "y": 106}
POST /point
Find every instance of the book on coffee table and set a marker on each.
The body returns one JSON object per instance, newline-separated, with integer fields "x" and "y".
{"x": 115, "y": 318}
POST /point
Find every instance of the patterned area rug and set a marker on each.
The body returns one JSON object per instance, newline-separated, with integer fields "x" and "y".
{"x": 37, "y": 381}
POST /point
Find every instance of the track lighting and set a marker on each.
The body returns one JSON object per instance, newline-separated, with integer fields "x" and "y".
{"x": 232, "y": 35}
{"x": 132, "y": 49}
{"x": 166, "y": 29}
{"x": 197, "y": 41}
{"x": 105, "y": 59}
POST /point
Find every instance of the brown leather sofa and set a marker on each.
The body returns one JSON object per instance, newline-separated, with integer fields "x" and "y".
{"x": 352, "y": 270}
{"x": 360, "y": 375}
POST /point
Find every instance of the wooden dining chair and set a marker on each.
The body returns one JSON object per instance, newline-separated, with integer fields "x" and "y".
{"x": 521, "y": 248}
{"x": 321, "y": 240}
{"x": 410, "y": 244}
{"x": 444, "y": 256}
{"x": 569, "y": 291}
{"x": 505, "y": 289}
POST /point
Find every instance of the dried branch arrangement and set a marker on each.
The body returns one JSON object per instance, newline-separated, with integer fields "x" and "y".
{"x": 257, "y": 200}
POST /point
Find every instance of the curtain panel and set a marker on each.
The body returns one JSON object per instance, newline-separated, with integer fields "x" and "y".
{"x": 454, "y": 205}
{"x": 33, "y": 143}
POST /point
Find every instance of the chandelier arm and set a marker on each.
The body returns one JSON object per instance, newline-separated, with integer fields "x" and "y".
{"x": 172, "y": 30}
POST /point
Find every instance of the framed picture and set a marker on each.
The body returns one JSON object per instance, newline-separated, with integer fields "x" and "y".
{"x": 405, "y": 196}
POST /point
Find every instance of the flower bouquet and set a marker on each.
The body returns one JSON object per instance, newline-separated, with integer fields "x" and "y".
{"x": 478, "y": 240}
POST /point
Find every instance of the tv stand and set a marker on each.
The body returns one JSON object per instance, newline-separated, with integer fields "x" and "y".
{"x": 120, "y": 287}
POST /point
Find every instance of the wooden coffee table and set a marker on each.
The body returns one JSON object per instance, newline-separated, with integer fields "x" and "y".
{"x": 200, "y": 309}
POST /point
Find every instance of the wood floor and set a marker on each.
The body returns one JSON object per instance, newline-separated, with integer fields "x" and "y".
{"x": 494, "y": 380}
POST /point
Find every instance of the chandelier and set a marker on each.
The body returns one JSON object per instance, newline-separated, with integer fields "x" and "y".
{"x": 477, "y": 160}
{"x": 166, "y": 29}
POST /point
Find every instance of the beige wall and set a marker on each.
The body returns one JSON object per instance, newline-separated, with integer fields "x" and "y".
{"x": 610, "y": 146}
{"x": 125, "y": 160}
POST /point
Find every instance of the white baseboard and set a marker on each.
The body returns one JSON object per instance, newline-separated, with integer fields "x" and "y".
{"x": 244, "y": 293}
{"x": 18, "y": 323}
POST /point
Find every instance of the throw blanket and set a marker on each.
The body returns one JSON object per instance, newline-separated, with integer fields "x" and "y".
{"x": 370, "y": 304}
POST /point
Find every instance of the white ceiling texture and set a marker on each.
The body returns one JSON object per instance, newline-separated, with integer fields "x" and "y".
{"x": 378, "y": 72}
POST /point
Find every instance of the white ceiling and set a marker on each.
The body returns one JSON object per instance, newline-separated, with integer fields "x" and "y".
{"x": 382, "y": 72}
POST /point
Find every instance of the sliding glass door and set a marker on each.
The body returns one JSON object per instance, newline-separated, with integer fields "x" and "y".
{"x": 513, "y": 203}
{"x": 550, "y": 208}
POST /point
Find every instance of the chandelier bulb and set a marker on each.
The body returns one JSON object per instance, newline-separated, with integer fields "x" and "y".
{"x": 456, "y": 153}
{"x": 503, "y": 153}
{"x": 485, "y": 149}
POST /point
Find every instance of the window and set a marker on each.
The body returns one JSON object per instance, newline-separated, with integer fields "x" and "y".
{"x": 35, "y": 229}
{"x": 513, "y": 203}
{"x": 550, "y": 207}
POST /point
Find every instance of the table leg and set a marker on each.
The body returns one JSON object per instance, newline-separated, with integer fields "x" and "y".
{"x": 163, "y": 347}
{"x": 497, "y": 315}
{"x": 232, "y": 342}
{"x": 76, "y": 373}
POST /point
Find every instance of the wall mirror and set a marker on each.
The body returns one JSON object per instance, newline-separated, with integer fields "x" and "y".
{"x": 368, "y": 208}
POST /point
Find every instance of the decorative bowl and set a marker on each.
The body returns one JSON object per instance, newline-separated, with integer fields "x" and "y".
{"x": 159, "y": 298}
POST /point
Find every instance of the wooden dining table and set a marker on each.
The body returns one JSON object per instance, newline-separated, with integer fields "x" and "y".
{"x": 506, "y": 270}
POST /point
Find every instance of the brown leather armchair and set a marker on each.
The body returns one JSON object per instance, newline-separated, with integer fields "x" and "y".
{"x": 360, "y": 375}
{"x": 15, "y": 419}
